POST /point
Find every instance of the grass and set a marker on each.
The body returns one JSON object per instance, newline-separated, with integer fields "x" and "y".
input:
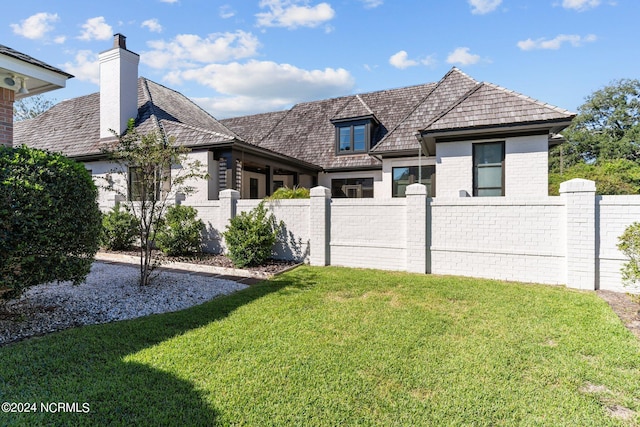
{"x": 333, "y": 346}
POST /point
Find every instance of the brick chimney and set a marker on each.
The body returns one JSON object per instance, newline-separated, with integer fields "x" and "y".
{"x": 118, "y": 87}
{"x": 7, "y": 96}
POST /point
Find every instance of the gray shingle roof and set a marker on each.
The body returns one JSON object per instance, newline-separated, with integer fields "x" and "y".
{"x": 256, "y": 127}
{"x": 72, "y": 127}
{"x": 4, "y": 50}
{"x": 441, "y": 96}
{"x": 489, "y": 105}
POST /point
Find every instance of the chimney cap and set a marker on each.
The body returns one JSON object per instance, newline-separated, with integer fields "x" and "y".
{"x": 119, "y": 40}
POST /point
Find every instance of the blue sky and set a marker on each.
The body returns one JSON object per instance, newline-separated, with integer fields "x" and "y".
{"x": 242, "y": 57}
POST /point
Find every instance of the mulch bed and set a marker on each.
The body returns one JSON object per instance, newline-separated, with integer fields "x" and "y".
{"x": 270, "y": 266}
{"x": 627, "y": 308}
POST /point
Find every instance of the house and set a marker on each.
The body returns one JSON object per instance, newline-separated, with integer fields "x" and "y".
{"x": 22, "y": 76}
{"x": 458, "y": 136}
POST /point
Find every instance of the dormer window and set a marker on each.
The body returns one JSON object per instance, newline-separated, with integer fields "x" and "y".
{"x": 353, "y": 136}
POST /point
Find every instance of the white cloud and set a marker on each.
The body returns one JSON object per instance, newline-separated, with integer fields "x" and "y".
{"x": 152, "y": 25}
{"x": 96, "y": 29}
{"x": 269, "y": 80}
{"x": 187, "y": 50}
{"x": 291, "y": 14}
{"x": 580, "y": 5}
{"x": 372, "y": 4}
{"x": 557, "y": 42}
{"x": 233, "y": 106}
{"x": 480, "y": 7}
{"x": 85, "y": 67}
{"x": 36, "y": 26}
{"x": 169, "y": 1}
{"x": 401, "y": 60}
{"x": 226, "y": 12}
{"x": 462, "y": 56}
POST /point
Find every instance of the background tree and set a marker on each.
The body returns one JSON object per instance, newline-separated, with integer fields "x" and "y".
{"x": 33, "y": 106}
{"x": 157, "y": 169}
{"x": 49, "y": 219}
{"x": 606, "y": 129}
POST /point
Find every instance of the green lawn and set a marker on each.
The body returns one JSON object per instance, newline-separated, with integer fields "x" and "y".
{"x": 334, "y": 346}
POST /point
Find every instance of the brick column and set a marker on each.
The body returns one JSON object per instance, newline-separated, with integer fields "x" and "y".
{"x": 416, "y": 228}
{"x": 580, "y": 230}
{"x": 7, "y": 96}
{"x": 228, "y": 204}
{"x": 319, "y": 219}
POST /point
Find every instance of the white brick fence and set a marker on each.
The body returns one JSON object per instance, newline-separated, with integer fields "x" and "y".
{"x": 570, "y": 239}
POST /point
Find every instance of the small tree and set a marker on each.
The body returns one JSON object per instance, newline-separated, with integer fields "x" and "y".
{"x": 629, "y": 244}
{"x": 49, "y": 219}
{"x": 250, "y": 236}
{"x": 31, "y": 107}
{"x": 154, "y": 169}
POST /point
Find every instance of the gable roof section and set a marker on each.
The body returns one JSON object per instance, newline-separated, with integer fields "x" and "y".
{"x": 306, "y": 132}
{"x": 72, "y": 127}
{"x": 489, "y": 106}
{"x": 441, "y": 96}
{"x": 5, "y": 50}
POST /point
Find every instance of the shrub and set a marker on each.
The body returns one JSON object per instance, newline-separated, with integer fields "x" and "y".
{"x": 49, "y": 219}
{"x": 290, "y": 193}
{"x": 180, "y": 231}
{"x": 119, "y": 229}
{"x": 250, "y": 236}
{"x": 629, "y": 244}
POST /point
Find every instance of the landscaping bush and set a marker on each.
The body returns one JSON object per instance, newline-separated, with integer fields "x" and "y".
{"x": 180, "y": 231}
{"x": 50, "y": 223}
{"x": 250, "y": 236}
{"x": 629, "y": 244}
{"x": 290, "y": 193}
{"x": 119, "y": 229}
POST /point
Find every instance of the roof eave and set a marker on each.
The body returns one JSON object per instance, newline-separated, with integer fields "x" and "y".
{"x": 551, "y": 126}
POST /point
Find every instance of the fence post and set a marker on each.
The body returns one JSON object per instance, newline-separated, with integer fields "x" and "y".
{"x": 319, "y": 218}
{"x": 228, "y": 203}
{"x": 416, "y": 228}
{"x": 580, "y": 227}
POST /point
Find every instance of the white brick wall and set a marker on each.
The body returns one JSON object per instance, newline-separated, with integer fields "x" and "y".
{"x": 368, "y": 233}
{"x": 526, "y": 166}
{"x": 498, "y": 238}
{"x": 615, "y": 214}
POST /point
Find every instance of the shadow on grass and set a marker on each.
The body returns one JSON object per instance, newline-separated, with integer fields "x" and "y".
{"x": 85, "y": 365}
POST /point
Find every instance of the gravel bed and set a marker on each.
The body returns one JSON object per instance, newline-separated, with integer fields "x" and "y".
{"x": 111, "y": 292}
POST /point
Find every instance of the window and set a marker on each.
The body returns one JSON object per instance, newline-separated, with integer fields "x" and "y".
{"x": 353, "y": 137}
{"x": 137, "y": 190}
{"x": 253, "y": 188}
{"x": 488, "y": 169}
{"x": 352, "y": 188}
{"x": 405, "y": 176}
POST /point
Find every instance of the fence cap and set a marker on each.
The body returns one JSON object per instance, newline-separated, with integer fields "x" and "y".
{"x": 320, "y": 191}
{"x": 578, "y": 185}
{"x": 416, "y": 190}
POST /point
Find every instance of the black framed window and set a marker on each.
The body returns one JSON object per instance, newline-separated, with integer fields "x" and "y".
{"x": 406, "y": 175}
{"x": 488, "y": 169}
{"x": 353, "y": 137}
{"x": 352, "y": 188}
{"x": 139, "y": 190}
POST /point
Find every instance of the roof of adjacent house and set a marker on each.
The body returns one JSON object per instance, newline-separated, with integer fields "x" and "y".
{"x": 72, "y": 127}
{"x": 5, "y": 50}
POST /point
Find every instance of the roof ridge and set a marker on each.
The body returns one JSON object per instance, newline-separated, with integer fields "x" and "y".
{"x": 422, "y": 101}
{"x": 152, "y": 107}
{"x": 528, "y": 98}
{"x": 209, "y": 131}
{"x": 453, "y": 105}
{"x": 364, "y": 104}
